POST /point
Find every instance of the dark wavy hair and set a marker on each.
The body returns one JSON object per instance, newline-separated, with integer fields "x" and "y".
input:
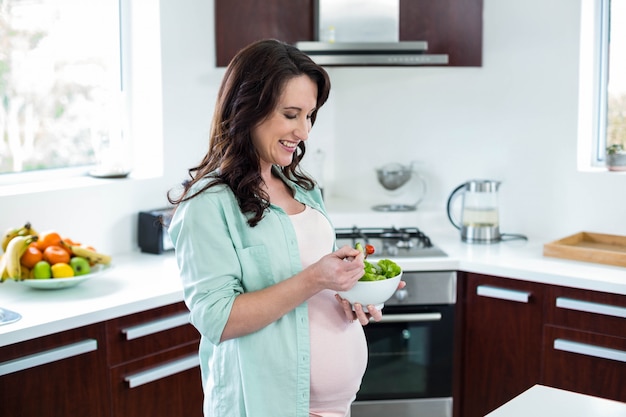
{"x": 249, "y": 93}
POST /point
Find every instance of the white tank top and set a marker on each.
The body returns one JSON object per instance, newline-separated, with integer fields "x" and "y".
{"x": 338, "y": 346}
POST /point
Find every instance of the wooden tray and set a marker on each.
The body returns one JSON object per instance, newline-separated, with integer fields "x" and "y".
{"x": 589, "y": 247}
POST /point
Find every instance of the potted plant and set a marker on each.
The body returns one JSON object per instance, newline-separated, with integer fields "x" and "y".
{"x": 616, "y": 157}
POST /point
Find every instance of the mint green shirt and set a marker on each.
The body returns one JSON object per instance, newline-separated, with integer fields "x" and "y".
{"x": 266, "y": 373}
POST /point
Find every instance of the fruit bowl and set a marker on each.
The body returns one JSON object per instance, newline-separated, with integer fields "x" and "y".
{"x": 372, "y": 292}
{"x": 60, "y": 283}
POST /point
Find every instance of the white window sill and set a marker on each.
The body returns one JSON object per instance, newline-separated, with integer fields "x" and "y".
{"x": 56, "y": 183}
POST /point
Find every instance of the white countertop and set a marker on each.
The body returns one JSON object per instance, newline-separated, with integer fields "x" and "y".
{"x": 542, "y": 401}
{"x": 138, "y": 281}
{"x": 135, "y": 283}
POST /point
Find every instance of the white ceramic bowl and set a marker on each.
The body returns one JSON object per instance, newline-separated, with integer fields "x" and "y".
{"x": 372, "y": 292}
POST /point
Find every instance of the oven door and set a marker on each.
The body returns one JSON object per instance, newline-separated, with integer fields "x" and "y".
{"x": 409, "y": 371}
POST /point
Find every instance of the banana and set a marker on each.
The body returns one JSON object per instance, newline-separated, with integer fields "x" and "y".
{"x": 91, "y": 255}
{"x": 25, "y": 230}
{"x": 8, "y": 235}
{"x": 15, "y": 249}
{"x": 29, "y": 230}
{"x": 3, "y": 268}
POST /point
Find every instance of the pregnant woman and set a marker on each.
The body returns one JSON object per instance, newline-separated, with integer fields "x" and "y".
{"x": 256, "y": 251}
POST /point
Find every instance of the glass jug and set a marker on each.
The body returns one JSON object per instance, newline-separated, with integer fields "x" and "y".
{"x": 480, "y": 220}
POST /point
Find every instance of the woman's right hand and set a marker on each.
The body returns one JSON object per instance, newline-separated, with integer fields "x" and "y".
{"x": 340, "y": 270}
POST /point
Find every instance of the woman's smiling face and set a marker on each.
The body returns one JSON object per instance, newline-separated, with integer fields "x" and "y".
{"x": 277, "y": 137}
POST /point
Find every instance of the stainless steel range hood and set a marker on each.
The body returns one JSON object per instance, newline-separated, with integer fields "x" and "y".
{"x": 364, "y": 32}
{"x": 371, "y": 53}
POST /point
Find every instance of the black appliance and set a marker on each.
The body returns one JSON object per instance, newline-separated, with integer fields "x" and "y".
{"x": 152, "y": 235}
{"x": 391, "y": 242}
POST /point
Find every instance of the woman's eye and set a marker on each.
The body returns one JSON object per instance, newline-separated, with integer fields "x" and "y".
{"x": 291, "y": 116}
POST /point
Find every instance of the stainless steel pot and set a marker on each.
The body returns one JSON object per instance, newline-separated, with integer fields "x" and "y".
{"x": 405, "y": 183}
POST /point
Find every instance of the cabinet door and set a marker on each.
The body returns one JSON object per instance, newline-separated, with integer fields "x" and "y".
{"x": 162, "y": 385}
{"x": 153, "y": 359}
{"x": 501, "y": 351}
{"x": 590, "y": 311}
{"x": 453, "y": 27}
{"x": 240, "y": 22}
{"x": 61, "y": 375}
{"x": 585, "y": 362}
{"x": 585, "y": 342}
{"x": 148, "y": 332}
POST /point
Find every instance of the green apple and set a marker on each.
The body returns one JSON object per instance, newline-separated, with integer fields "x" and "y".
{"x": 42, "y": 270}
{"x": 80, "y": 265}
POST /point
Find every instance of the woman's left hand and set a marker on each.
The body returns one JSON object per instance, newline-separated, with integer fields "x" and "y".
{"x": 364, "y": 314}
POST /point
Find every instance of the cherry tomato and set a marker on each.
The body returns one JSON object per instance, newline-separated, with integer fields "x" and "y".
{"x": 369, "y": 249}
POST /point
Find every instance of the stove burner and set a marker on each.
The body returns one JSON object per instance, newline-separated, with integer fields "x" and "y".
{"x": 391, "y": 242}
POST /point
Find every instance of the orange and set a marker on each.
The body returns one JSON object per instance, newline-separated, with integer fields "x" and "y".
{"x": 48, "y": 239}
{"x": 70, "y": 241}
{"x": 67, "y": 243}
{"x": 31, "y": 256}
{"x": 56, "y": 254}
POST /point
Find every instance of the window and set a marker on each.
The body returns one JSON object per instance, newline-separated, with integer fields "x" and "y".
{"x": 60, "y": 83}
{"x": 602, "y": 88}
{"x": 616, "y": 87}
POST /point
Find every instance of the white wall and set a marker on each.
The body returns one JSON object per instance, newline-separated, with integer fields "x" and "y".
{"x": 514, "y": 119}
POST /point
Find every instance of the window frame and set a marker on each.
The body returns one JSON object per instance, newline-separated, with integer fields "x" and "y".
{"x": 593, "y": 85}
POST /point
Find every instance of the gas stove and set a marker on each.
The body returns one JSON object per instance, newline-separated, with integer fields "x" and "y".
{"x": 390, "y": 242}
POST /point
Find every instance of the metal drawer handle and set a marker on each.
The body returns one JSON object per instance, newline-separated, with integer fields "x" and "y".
{"x": 409, "y": 318}
{"x": 589, "y": 307}
{"x": 156, "y": 326}
{"x": 590, "y": 350}
{"x": 48, "y": 356}
{"x": 163, "y": 371}
{"x": 503, "y": 293}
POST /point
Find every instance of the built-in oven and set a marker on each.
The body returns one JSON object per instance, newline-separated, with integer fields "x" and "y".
{"x": 410, "y": 364}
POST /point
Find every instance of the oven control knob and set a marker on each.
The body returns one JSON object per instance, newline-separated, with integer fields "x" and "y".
{"x": 402, "y": 294}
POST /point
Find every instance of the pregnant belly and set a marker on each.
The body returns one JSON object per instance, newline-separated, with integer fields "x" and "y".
{"x": 338, "y": 356}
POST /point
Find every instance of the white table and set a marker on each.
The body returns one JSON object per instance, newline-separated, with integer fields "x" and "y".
{"x": 542, "y": 401}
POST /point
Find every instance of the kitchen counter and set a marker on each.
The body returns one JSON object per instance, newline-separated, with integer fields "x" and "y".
{"x": 136, "y": 282}
{"x": 542, "y": 401}
{"x": 139, "y": 281}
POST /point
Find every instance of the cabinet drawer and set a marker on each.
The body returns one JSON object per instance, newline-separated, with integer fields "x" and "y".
{"x": 63, "y": 374}
{"x": 163, "y": 385}
{"x": 585, "y": 362}
{"x": 143, "y": 334}
{"x": 587, "y": 310}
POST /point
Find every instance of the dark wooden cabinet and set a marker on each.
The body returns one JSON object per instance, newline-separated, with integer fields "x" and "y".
{"x": 143, "y": 364}
{"x": 241, "y": 22}
{"x": 60, "y": 375}
{"x": 584, "y": 342}
{"x": 153, "y": 360}
{"x": 501, "y": 349}
{"x": 164, "y": 384}
{"x": 516, "y": 334}
{"x": 452, "y": 27}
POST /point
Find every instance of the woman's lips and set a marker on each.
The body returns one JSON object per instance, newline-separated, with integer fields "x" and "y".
{"x": 290, "y": 146}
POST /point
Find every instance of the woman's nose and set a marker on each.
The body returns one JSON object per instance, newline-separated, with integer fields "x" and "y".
{"x": 303, "y": 129}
